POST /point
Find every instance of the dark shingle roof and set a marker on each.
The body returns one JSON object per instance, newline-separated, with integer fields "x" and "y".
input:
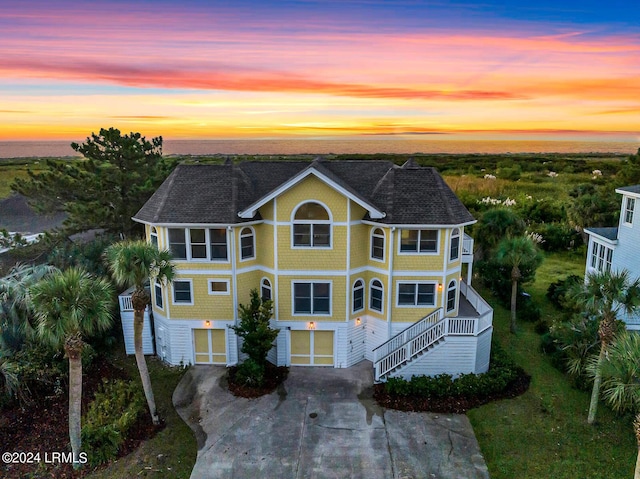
{"x": 609, "y": 233}
{"x": 216, "y": 193}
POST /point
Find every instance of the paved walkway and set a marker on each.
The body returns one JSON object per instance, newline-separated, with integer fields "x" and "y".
{"x": 321, "y": 423}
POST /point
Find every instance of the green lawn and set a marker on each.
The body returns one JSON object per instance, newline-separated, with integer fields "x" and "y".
{"x": 172, "y": 452}
{"x": 544, "y": 433}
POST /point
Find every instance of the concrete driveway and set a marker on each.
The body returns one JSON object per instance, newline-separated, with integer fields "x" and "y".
{"x": 321, "y": 423}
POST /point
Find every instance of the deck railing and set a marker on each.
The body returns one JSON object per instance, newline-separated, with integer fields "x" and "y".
{"x": 467, "y": 244}
{"x": 421, "y": 335}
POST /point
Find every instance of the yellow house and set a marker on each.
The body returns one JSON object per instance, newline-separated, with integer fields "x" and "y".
{"x": 364, "y": 260}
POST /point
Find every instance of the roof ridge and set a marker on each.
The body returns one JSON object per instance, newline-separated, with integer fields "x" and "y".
{"x": 163, "y": 200}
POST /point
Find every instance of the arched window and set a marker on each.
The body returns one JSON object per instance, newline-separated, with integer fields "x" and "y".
{"x": 455, "y": 245}
{"x": 312, "y": 226}
{"x": 375, "y": 301}
{"x": 265, "y": 289}
{"x": 154, "y": 236}
{"x": 247, "y": 247}
{"x": 358, "y": 295}
{"x": 377, "y": 244}
{"x": 451, "y": 296}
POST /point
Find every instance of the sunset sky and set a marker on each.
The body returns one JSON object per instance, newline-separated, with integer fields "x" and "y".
{"x": 329, "y": 68}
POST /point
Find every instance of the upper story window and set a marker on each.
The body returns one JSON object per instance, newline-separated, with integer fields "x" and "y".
{"x": 451, "y": 296}
{"x": 312, "y": 226}
{"x": 416, "y": 294}
{"x": 265, "y": 289}
{"x": 247, "y": 243}
{"x": 198, "y": 243}
{"x": 218, "y": 286}
{"x": 601, "y": 257}
{"x": 182, "y": 293}
{"x": 628, "y": 210}
{"x": 454, "y": 253}
{"x": 375, "y": 296}
{"x": 311, "y": 298}
{"x": 154, "y": 236}
{"x": 419, "y": 241}
{"x": 377, "y": 244}
{"x": 358, "y": 295}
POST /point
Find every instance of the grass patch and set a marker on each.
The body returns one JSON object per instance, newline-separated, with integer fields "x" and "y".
{"x": 171, "y": 452}
{"x": 544, "y": 433}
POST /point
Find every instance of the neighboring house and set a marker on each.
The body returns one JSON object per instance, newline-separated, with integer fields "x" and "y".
{"x": 618, "y": 248}
{"x": 362, "y": 259}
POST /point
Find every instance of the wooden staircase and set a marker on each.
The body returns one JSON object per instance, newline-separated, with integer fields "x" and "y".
{"x": 410, "y": 344}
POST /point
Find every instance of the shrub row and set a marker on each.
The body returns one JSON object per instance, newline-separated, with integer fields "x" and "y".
{"x": 502, "y": 373}
{"x": 111, "y": 415}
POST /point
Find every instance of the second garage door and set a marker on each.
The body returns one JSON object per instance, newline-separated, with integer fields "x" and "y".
{"x": 312, "y": 348}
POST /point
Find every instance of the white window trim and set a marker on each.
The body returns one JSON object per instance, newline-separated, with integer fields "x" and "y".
{"x": 384, "y": 244}
{"x": 218, "y": 293}
{"x": 353, "y": 296}
{"x": 381, "y": 288}
{"x": 173, "y": 297}
{"x": 415, "y": 294}
{"x": 207, "y": 237}
{"x": 627, "y": 200}
{"x": 455, "y": 297}
{"x": 459, "y": 236}
{"x": 311, "y": 282}
{"x": 311, "y": 222}
{"x": 419, "y": 253}
{"x": 153, "y": 232}
{"x": 155, "y": 285}
{"x": 253, "y": 240}
{"x": 270, "y": 287}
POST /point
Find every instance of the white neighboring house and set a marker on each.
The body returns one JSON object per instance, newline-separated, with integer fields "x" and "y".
{"x": 618, "y": 248}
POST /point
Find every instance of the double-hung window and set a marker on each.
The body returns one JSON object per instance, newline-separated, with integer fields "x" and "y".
{"x": 153, "y": 236}
{"x": 375, "y": 296}
{"x": 601, "y": 257}
{"x": 416, "y": 294}
{"x": 198, "y": 244}
{"x": 377, "y": 244}
{"x": 628, "y": 210}
{"x": 182, "y": 292}
{"x": 454, "y": 253}
{"x": 247, "y": 249}
{"x": 358, "y": 295}
{"x": 311, "y": 298}
{"x": 312, "y": 226}
{"x": 265, "y": 288}
{"x": 419, "y": 241}
{"x": 157, "y": 289}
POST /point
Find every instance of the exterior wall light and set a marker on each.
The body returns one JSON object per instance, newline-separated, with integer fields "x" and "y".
{"x": 207, "y": 323}
{"x": 312, "y": 325}
{"x": 358, "y": 321}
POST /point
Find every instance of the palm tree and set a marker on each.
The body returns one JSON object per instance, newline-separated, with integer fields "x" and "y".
{"x": 604, "y": 295}
{"x": 496, "y": 224}
{"x": 15, "y": 321}
{"x": 516, "y": 253}
{"x": 133, "y": 263}
{"x": 70, "y": 306}
{"x": 620, "y": 372}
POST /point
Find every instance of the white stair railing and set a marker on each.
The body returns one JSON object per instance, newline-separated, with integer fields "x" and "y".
{"x": 409, "y": 343}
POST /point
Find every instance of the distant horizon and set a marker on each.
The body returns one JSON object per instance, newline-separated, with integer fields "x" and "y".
{"x": 291, "y": 69}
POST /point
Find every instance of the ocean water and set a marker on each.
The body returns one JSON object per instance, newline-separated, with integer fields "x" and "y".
{"x": 25, "y": 149}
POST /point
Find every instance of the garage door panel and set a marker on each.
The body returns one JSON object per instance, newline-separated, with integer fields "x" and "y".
{"x": 312, "y": 348}
{"x": 210, "y": 346}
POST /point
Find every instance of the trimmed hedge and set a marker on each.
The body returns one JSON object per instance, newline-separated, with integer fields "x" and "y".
{"x": 502, "y": 374}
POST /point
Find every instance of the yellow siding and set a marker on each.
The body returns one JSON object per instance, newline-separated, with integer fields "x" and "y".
{"x": 266, "y": 211}
{"x": 247, "y": 282}
{"x": 311, "y": 188}
{"x": 205, "y": 306}
{"x": 264, "y": 245}
{"x": 360, "y": 246}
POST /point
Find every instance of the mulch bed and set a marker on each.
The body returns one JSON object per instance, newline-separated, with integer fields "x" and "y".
{"x": 43, "y": 427}
{"x": 273, "y": 377}
{"x": 458, "y": 405}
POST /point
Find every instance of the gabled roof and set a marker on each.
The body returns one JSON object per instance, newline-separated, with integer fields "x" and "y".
{"x": 233, "y": 193}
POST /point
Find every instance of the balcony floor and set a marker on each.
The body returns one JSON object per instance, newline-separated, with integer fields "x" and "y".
{"x": 465, "y": 309}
